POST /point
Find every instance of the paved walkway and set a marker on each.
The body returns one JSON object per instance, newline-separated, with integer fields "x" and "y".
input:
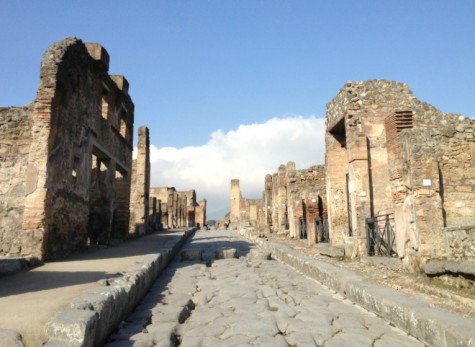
{"x": 30, "y": 299}
{"x": 224, "y": 291}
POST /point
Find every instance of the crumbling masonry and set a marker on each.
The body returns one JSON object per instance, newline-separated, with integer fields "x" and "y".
{"x": 394, "y": 161}
{"x": 293, "y": 203}
{"x": 66, "y": 158}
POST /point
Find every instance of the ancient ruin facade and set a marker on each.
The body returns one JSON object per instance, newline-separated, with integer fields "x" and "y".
{"x": 297, "y": 201}
{"x": 244, "y": 212}
{"x": 179, "y": 209}
{"x": 66, "y": 158}
{"x": 293, "y": 203}
{"x": 398, "y": 165}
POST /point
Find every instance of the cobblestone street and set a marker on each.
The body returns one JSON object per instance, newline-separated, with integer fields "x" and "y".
{"x": 221, "y": 291}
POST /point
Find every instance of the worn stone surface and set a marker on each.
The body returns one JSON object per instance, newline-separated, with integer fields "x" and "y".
{"x": 247, "y": 301}
{"x": 415, "y": 315}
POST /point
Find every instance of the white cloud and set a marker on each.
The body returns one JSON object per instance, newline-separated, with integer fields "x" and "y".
{"x": 247, "y": 153}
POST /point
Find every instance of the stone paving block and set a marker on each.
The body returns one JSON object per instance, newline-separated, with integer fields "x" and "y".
{"x": 232, "y": 310}
{"x": 349, "y": 339}
{"x": 301, "y": 338}
{"x": 236, "y": 340}
{"x": 9, "y": 338}
{"x": 207, "y": 315}
{"x": 401, "y": 310}
{"x": 194, "y": 341}
{"x": 271, "y": 341}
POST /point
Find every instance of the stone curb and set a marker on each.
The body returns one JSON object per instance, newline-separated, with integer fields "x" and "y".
{"x": 432, "y": 326}
{"x": 94, "y": 315}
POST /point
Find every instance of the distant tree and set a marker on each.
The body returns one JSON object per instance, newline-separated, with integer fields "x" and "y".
{"x": 211, "y": 222}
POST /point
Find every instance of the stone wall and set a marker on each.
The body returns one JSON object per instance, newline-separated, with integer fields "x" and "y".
{"x": 15, "y": 140}
{"x": 460, "y": 244}
{"x": 389, "y": 154}
{"x": 77, "y": 173}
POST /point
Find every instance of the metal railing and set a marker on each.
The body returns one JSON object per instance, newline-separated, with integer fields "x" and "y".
{"x": 380, "y": 241}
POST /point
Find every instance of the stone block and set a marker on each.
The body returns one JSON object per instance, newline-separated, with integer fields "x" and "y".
{"x": 191, "y": 254}
{"x": 258, "y": 254}
{"x": 226, "y": 253}
{"x": 74, "y": 328}
{"x": 330, "y": 251}
{"x": 121, "y": 82}
{"x": 351, "y": 246}
{"x": 392, "y": 263}
{"x": 98, "y": 53}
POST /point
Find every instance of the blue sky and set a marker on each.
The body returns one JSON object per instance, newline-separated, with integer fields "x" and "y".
{"x": 201, "y": 69}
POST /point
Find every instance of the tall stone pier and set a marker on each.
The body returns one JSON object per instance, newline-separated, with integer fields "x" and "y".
{"x": 139, "y": 197}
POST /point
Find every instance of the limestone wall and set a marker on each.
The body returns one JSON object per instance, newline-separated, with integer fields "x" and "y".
{"x": 15, "y": 138}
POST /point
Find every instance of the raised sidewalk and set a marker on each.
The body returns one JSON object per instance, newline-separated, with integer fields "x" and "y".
{"x": 80, "y": 300}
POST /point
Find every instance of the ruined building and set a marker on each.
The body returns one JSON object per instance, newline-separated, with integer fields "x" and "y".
{"x": 65, "y": 159}
{"x": 179, "y": 209}
{"x": 400, "y": 175}
{"x": 244, "y": 212}
{"x": 293, "y": 203}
